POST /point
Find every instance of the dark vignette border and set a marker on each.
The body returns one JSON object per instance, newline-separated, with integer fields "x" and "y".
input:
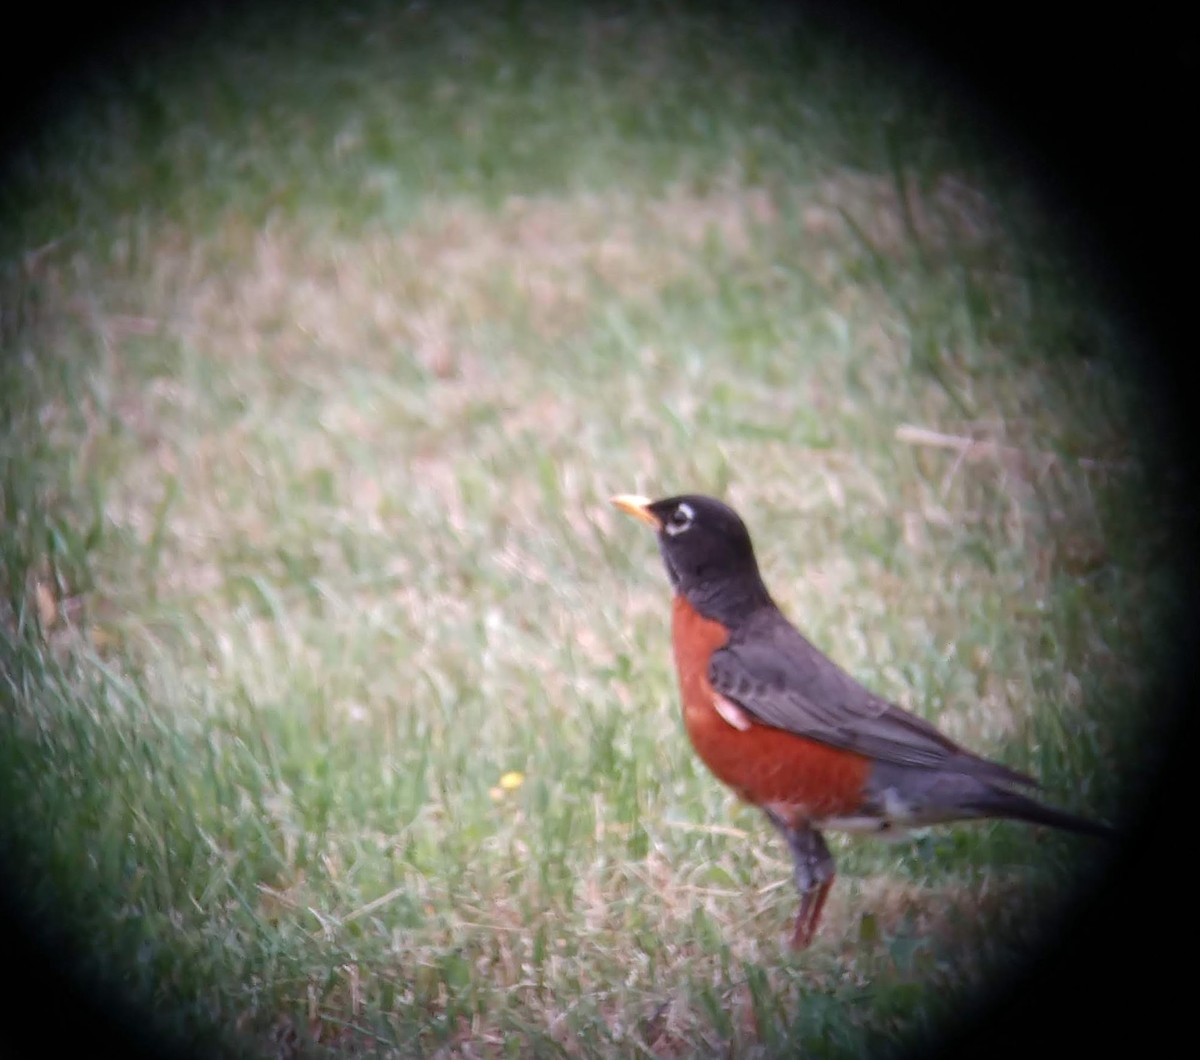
{"x": 1097, "y": 107}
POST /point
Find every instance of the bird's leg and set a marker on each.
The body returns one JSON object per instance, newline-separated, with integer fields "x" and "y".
{"x": 814, "y": 872}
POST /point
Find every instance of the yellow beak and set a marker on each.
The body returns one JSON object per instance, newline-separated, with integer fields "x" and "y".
{"x": 638, "y": 507}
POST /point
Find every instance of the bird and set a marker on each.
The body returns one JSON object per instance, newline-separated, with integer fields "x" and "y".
{"x": 789, "y": 730}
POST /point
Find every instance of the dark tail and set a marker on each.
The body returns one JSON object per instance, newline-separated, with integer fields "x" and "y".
{"x": 999, "y": 803}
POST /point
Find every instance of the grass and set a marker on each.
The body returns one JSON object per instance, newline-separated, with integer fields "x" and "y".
{"x": 326, "y": 341}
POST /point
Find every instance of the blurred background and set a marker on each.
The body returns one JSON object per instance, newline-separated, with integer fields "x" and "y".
{"x": 338, "y": 715}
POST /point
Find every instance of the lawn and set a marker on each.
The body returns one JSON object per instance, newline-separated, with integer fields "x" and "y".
{"x": 338, "y": 713}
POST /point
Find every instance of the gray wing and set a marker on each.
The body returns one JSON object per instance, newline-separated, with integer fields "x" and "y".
{"x": 780, "y": 678}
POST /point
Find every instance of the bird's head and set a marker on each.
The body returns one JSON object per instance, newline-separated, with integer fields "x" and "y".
{"x": 705, "y": 547}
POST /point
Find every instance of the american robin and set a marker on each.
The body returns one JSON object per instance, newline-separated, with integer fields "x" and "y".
{"x": 789, "y": 730}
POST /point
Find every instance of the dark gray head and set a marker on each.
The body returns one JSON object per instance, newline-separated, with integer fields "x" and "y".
{"x": 706, "y": 549}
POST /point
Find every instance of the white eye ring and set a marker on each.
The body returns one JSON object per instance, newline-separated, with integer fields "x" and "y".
{"x": 681, "y": 519}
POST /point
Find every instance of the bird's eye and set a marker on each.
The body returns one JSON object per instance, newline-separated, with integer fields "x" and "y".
{"x": 681, "y": 519}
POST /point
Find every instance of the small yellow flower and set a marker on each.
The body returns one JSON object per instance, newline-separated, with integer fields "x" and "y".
{"x": 510, "y": 781}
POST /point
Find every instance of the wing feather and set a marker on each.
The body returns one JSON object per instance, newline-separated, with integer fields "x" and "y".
{"x": 771, "y": 671}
